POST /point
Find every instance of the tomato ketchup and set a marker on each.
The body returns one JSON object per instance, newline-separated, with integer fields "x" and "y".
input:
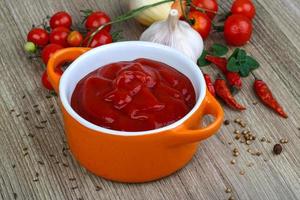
{"x": 136, "y": 95}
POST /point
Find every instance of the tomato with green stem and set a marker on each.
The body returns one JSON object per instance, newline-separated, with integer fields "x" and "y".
{"x": 49, "y": 50}
{"x": 59, "y": 36}
{"x": 243, "y": 7}
{"x": 38, "y": 36}
{"x": 96, "y": 19}
{"x": 210, "y": 7}
{"x": 101, "y": 38}
{"x": 74, "y": 39}
{"x": 61, "y": 19}
{"x": 237, "y": 30}
{"x": 200, "y": 22}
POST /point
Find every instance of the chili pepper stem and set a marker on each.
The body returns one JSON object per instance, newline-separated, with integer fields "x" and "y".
{"x": 125, "y": 17}
{"x": 254, "y": 76}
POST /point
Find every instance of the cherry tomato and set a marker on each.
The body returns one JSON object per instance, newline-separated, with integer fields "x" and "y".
{"x": 244, "y": 7}
{"x": 38, "y": 36}
{"x": 97, "y": 19}
{"x": 74, "y": 39}
{"x": 49, "y": 50}
{"x": 210, "y": 5}
{"x": 59, "y": 36}
{"x": 45, "y": 81}
{"x": 237, "y": 30}
{"x": 101, "y": 38}
{"x": 61, "y": 19}
{"x": 202, "y": 23}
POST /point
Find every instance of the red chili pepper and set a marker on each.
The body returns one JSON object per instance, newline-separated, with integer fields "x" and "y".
{"x": 233, "y": 78}
{"x": 264, "y": 93}
{"x": 220, "y": 62}
{"x": 224, "y": 93}
{"x": 209, "y": 84}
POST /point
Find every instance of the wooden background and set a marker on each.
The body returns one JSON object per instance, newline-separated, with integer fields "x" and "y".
{"x": 35, "y": 161}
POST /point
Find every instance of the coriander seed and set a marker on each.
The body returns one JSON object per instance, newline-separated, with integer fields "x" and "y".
{"x": 231, "y": 198}
{"x": 236, "y": 154}
{"x": 237, "y": 120}
{"x": 228, "y": 190}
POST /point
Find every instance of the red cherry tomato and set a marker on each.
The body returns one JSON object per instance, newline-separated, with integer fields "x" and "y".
{"x": 202, "y": 23}
{"x": 59, "y": 36}
{"x": 237, "y": 30}
{"x": 97, "y": 19}
{"x": 49, "y": 50}
{"x": 74, "y": 39}
{"x": 61, "y": 19}
{"x": 210, "y": 5}
{"x": 38, "y": 36}
{"x": 101, "y": 38}
{"x": 243, "y": 7}
{"x": 45, "y": 81}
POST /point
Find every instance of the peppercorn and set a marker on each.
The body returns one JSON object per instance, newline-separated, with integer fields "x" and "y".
{"x": 226, "y": 122}
{"x": 277, "y": 149}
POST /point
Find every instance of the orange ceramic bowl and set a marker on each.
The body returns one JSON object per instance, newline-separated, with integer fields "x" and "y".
{"x": 132, "y": 156}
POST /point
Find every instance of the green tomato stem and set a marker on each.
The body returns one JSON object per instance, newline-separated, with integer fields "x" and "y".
{"x": 203, "y": 9}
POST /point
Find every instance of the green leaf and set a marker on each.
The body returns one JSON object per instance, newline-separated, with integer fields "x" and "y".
{"x": 218, "y": 50}
{"x": 234, "y": 53}
{"x": 241, "y": 54}
{"x": 201, "y": 60}
{"x": 252, "y": 63}
{"x": 233, "y": 65}
{"x": 244, "y": 71}
{"x": 240, "y": 62}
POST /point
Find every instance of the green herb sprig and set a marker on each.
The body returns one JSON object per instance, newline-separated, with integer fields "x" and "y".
{"x": 242, "y": 63}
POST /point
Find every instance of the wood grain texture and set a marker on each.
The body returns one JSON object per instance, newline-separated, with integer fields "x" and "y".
{"x": 36, "y": 164}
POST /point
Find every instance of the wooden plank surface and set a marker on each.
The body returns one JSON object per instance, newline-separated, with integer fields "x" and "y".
{"x": 35, "y": 165}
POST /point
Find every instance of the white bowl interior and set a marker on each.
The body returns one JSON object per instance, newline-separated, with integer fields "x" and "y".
{"x": 127, "y": 51}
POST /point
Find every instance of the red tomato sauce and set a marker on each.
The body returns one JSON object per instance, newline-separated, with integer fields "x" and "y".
{"x": 134, "y": 95}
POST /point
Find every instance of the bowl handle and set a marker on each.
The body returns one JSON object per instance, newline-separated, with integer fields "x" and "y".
{"x": 60, "y": 57}
{"x": 184, "y": 135}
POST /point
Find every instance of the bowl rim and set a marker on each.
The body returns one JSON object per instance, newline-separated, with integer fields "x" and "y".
{"x": 66, "y": 105}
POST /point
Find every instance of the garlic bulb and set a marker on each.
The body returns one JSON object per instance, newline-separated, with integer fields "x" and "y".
{"x": 153, "y": 14}
{"x": 176, "y": 34}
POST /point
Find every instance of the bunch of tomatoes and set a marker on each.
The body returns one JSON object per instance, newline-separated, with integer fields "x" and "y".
{"x": 237, "y": 27}
{"x": 46, "y": 40}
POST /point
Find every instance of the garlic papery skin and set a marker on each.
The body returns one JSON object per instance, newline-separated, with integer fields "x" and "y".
{"x": 151, "y": 15}
{"x": 176, "y": 34}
